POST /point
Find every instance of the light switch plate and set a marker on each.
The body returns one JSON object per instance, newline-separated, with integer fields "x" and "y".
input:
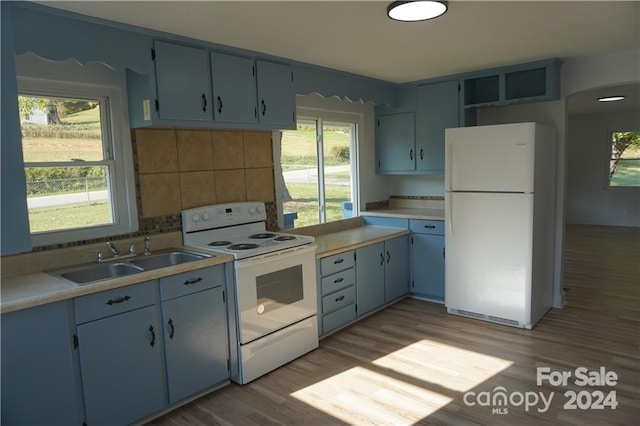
{"x": 146, "y": 109}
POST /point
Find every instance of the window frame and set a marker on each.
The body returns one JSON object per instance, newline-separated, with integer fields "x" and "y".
{"x": 121, "y": 177}
{"x": 321, "y": 117}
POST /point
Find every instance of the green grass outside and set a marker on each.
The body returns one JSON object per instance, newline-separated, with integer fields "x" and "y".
{"x": 627, "y": 173}
{"x": 69, "y": 216}
{"x": 305, "y": 202}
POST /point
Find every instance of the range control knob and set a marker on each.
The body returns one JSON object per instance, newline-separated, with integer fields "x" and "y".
{"x": 260, "y": 209}
{"x": 195, "y": 218}
{"x": 252, "y": 211}
{"x": 205, "y": 216}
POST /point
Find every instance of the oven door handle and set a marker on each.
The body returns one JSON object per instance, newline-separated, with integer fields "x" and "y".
{"x": 269, "y": 257}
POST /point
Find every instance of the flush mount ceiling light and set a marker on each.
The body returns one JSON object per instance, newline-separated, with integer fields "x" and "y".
{"x": 610, "y": 98}
{"x": 421, "y": 10}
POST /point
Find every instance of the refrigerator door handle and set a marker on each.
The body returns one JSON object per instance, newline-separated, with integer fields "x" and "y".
{"x": 449, "y": 213}
{"x": 449, "y": 168}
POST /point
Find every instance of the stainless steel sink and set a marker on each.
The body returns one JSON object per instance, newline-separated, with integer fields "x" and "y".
{"x": 171, "y": 258}
{"x": 97, "y": 272}
{"x": 88, "y": 274}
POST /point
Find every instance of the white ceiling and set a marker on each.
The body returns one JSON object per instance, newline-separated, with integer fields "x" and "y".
{"x": 357, "y": 37}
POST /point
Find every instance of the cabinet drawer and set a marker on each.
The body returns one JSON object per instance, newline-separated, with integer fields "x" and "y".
{"x": 435, "y": 227}
{"x": 190, "y": 282}
{"x": 339, "y": 299}
{"x": 113, "y": 302}
{"x": 336, "y": 263}
{"x": 338, "y": 318}
{"x": 337, "y": 281}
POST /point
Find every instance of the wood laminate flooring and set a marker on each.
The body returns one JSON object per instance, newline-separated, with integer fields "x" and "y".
{"x": 411, "y": 363}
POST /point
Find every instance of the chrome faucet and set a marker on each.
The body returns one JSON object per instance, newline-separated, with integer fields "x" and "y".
{"x": 147, "y": 245}
{"x": 113, "y": 248}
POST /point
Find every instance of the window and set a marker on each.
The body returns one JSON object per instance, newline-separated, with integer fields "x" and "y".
{"x": 319, "y": 171}
{"x": 75, "y": 162}
{"x": 624, "y": 159}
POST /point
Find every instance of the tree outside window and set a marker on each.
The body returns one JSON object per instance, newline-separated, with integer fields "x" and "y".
{"x": 624, "y": 162}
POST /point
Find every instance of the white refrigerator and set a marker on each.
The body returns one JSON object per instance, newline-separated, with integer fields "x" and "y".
{"x": 500, "y": 222}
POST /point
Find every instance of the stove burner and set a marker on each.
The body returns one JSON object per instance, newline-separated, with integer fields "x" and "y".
{"x": 219, "y": 243}
{"x": 244, "y": 246}
{"x": 262, "y": 236}
{"x": 284, "y": 238}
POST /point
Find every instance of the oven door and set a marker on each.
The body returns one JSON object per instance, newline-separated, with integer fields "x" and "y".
{"x": 275, "y": 290}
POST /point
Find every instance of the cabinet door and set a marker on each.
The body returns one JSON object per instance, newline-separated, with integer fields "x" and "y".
{"x": 276, "y": 96}
{"x": 396, "y": 268}
{"x": 183, "y": 82}
{"x": 122, "y": 371}
{"x": 40, "y": 381}
{"x": 370, "y": 262}
{"x": 234, "y": 88}
{"x": 196, "y": 345}
{"x": 427, "y": 260}
{"x": 438, "y": 109}
{"x": 396, "y": 142}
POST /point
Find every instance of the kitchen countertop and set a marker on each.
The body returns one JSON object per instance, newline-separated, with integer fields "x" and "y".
{"x": 407, "y": 213}
{"x": 29, "y": 290}
{"x": 338, "y": 242}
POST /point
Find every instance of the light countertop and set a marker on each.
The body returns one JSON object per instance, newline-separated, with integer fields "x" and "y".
{"x": 354, "y": 238}
{"x": 407, "y": 213}
{"x": 29, "y": 290}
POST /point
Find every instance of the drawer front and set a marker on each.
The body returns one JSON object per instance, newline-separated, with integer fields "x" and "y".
{"x": 339, "y": 299}
{"x": 338, "y": 318}
{"x": 339, "y": 280}
{"x": 336, "y": 263}
{"x": 112, "y": 302}
{"x": 435, "y": 227}
{"x": 190, "y": 282}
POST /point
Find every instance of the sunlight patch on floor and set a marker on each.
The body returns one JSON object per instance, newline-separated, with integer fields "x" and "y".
{"x": 363, "y": 396}
{"x": 448, "y": 366}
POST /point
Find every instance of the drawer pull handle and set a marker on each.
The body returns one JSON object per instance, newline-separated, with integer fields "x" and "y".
{"x": 339, "y": 280}
{"x": 338, "y": 299}
{"x": 337, "y": 261}
{"x": 430, "y": 226}
{"x": 388, "y": 257}
{"x": 173, "y": 330}
{"x": 192, "y": 281}
{"x": 381, "y": 259}
{"x": 153, "y": 336}
{"x": 118, "y": 300}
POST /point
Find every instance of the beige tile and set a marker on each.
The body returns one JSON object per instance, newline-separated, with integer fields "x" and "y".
{"x": 194, "y": 150}
{"x": 257, "y": 150}
{"x": 230, "y": 186}
{"x": 160, "y": 194}
{"x": 260, "y": 185}
{"x": 197, "y": 189}
{"x": 228, "y": 151}
{"x": 157, "y": 150}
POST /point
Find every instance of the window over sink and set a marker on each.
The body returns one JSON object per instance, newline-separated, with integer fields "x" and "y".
{"x": 78, "y": 164}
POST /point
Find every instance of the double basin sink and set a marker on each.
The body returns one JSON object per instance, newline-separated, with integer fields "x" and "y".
{"x": 88, "y": 274}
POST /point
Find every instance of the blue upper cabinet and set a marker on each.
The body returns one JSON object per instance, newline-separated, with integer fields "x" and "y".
{"x": 276, "y": 96}
{"x": 183, "y": 82}
{"x": 437, "y": 109}
{"x": 234, "y": 88}
{"x": 395, "y": 137}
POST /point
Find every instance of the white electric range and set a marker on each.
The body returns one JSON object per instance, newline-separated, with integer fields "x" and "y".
{"x": 274, "y": 296}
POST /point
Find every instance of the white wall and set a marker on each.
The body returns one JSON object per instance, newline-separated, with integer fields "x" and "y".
{"x": 432, "y": 185}
{"x": 599, "y": 71}
{"x": 589, "y": 200}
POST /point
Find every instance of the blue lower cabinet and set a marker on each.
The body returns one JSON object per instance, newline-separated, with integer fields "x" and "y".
{"x": 396, "y": 271}
{"x": 195, "y": 339}
{"x": 122, "y": 368}
{"x": 40, "y": 377}
{"x": 427, "y": 259}
{"x": 370, "y": 293}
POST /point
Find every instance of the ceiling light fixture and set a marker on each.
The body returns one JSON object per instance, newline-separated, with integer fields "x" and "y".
{"x": 421, "y": 10}
{"x": 610, "y": 98}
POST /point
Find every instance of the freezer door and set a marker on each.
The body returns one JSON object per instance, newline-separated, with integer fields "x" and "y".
{"x": 490, "y": 158}
{"x": 488, "y": 240}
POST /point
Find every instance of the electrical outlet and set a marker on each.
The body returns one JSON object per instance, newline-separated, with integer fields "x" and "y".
{"x": 146, "y": 109}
